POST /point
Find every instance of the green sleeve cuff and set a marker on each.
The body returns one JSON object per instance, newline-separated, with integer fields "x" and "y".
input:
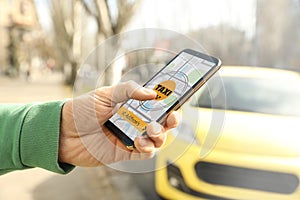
{"x": 39, "y": 139}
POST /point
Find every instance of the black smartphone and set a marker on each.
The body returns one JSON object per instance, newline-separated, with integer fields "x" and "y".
{"x": 174, "y": 84}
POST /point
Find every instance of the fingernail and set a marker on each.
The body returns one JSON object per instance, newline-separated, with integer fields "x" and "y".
{"x": 149, "y": 91}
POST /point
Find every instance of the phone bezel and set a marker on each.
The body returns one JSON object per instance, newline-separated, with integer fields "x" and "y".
{"x": 128, "y": 141}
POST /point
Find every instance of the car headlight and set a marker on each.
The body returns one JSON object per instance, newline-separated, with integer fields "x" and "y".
{"x": 185, "y": 132}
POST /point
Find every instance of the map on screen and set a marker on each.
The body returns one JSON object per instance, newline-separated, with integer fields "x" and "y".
{"x": 170, "y": 84}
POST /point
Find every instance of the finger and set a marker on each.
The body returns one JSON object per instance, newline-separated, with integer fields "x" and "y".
{"x": 137, "y": 155}
{"x": 172, "y": 121}
{"x": 131, "y": 89}
{"x": 144, "y": 145}
{"x": 156, "y": 134}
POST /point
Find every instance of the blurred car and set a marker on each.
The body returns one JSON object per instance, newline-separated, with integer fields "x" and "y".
{"x": 257, "y": 155}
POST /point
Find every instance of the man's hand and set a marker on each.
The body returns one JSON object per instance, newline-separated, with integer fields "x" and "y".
{"x": 84, "y": 141}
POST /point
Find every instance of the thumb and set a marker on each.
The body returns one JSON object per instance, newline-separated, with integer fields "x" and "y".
{"x": 131, "y": 89}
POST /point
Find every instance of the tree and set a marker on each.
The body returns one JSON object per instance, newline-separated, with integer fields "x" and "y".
{"x": 278, "y": 33}
{"x": 227, "y": 42}
{"x": 68, "y": 18}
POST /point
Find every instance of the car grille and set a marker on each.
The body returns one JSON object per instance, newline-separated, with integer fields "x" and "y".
{"x": 176, "y": 180}
{"x": 254, "y": 179}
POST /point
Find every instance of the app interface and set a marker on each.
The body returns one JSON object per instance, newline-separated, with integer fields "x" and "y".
{"x": 170, "y": 84}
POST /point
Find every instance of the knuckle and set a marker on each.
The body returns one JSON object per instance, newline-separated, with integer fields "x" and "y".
{"x": 131, "y": 84}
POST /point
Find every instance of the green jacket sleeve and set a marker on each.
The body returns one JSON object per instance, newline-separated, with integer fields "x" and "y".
{"x": 29, "y": 136}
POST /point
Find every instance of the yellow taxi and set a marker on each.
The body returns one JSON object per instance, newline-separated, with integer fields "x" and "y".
{"x": 256, "y": 152}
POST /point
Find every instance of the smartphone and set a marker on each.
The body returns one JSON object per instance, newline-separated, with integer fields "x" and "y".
{"x": 174, "y": 84}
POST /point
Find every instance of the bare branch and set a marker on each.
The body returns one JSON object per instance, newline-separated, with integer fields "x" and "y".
{"x": 126, "y": 9}
{"x": 88, "y": 9}
{"x": 104, "y": 22}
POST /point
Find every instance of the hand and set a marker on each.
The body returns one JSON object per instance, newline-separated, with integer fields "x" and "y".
{"x": 84, "y": 141}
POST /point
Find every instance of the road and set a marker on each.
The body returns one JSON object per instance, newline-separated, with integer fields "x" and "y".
{"x": 82, "y": 183}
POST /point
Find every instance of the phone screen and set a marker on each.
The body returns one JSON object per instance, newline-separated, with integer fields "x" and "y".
{"x": 171, "y": 84}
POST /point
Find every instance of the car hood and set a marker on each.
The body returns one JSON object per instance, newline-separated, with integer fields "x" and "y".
{"x": 251, "y": 133}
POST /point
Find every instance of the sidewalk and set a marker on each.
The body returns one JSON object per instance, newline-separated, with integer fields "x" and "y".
{"x": 100, "y": 183}
{"x": 39, "y": 88}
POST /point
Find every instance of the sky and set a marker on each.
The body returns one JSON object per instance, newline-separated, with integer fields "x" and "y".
{"x": 183, "y": 15}
{"x": 43, "y": 13}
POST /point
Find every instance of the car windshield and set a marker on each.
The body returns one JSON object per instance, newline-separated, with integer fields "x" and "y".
{"x": 260, "y": 95}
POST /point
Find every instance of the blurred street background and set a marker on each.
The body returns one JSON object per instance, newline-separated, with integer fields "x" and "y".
{"x": 37, "y": 184}
{"x": 44, "y": 42}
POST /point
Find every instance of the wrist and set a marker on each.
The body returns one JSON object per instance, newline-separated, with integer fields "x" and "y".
{"x": 67, "y": 130}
